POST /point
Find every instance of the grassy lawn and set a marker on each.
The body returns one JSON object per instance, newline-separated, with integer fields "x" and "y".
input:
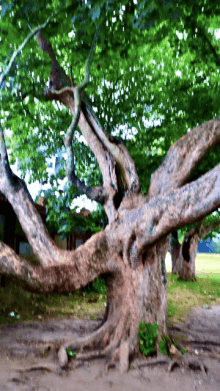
{"x": 18, "y": 305}
{"x": 205, "y": 263}
{"x": 184, "y": 295}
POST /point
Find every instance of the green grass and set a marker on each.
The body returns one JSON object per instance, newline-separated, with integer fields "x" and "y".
{"x": 205, "y": 263}
{"x": 32, "y": 306}
{"x": 182, "y": 296}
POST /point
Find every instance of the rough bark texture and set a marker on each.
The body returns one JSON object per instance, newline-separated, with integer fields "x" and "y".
{"x": 187, "y": 257}
{"x": 130, "y": 252}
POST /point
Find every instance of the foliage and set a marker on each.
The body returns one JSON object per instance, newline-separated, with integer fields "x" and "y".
{"x": 147, "y": 338}
{"x": 154, "y": 76}
{"x": 163, "y": 346}
{"x": 97, "y": 286}
{"x": 62, "y": 217}
{"x": 70, "y": 353}
{"x": 214, "y": 234}
{"x": 148, "y": 334}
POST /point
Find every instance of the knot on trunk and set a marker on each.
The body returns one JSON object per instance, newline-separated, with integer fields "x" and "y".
{"x": 132, "y": 252}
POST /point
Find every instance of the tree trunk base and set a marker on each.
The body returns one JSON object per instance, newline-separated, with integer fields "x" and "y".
{"x": 116, "y": 350}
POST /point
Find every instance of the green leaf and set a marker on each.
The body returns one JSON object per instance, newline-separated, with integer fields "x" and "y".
{"x": 70, "y": 353}
{"x": 163, "y": 347}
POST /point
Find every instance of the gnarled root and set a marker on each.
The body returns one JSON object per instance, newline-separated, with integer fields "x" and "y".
{"x": 89, "y": 341}
{"x": 180, "y": 362}
{"x": 190, "y": 363}
{"x": 114, "y": 349}
{"x": 41, "y": 366}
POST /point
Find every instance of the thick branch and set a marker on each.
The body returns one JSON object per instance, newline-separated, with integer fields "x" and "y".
{"x": 19, "y": 197}
{"x": 118, "y": 151}
{"x": 74, "y": 271}
{"x": 38, "y": 236}
{"x": 183, "y": 156}
{"x": 4, "y": 157}
{"x": 165, "y": 213}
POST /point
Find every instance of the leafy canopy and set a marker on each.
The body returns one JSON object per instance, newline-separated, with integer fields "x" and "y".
{"x": 154, "y": 76}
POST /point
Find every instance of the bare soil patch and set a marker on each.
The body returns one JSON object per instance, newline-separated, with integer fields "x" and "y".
{"x": 35, "y": 344}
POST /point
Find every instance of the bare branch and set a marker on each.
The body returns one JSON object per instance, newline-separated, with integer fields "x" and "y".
{"x": 183, "y": 156}
{"x": 88, "y": 63}
{"x": 21, "y": 47}
{"x": 95, "y": 136}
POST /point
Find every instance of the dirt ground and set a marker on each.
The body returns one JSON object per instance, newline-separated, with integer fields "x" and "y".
{"x": 34, "y": 344}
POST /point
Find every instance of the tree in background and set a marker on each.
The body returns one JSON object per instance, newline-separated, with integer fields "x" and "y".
{"x": 138, "y": 74}
{"x": 183, "y": 255}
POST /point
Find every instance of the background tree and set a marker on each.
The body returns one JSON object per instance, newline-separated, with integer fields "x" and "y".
{"x": 183, "y": 255}
{"x": 134, "y": 79}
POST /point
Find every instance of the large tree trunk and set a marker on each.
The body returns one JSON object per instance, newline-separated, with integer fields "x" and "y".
{"x": 135, "y": 276}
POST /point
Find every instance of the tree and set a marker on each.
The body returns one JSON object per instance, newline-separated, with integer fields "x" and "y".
{"x": 175, "y": 252}
{"x": 183, "y": 255}
{"x": 130, "y": 252}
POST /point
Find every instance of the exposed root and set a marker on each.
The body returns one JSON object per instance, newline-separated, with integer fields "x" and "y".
{"x": 151, "y": 361}
{"x": 124, "y": 357}
{"x": 49, "y": 367}
{"x": 191, "y": 363}
{"x": 197, "y": 365}
{"x": 91, "y": 355}
{"x": 90, "y": 341}
{"x": 110, "y": 365}
{"x": 173, "y": 364}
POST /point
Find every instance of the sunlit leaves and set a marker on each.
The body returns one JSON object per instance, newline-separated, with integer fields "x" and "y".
{"x": 154, "y": 75}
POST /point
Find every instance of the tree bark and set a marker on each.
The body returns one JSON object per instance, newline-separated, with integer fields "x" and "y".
{"x": 187, "y": 256}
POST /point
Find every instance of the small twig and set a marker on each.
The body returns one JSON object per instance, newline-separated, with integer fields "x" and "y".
{"x": 21, "y": 47}
{"x": 71, "y": 74}
{"x": 88, "y": 63}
